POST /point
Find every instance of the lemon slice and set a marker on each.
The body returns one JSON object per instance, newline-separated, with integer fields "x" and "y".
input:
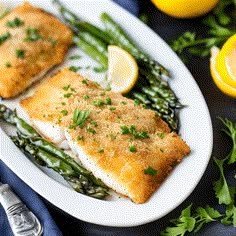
{"x": 122, "y": 70}
{"x": 226, "y": 61}
{"x": 221, "y": 84}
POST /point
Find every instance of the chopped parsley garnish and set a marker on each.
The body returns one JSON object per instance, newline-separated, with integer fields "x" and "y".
{"x": 63, "y": 103}
{"x": 8, "y": 64}
{"x": 67, "y": 95}
{"x": 75, "y": 68}
{"x": 161, "y": 135}
{"x": 84, "y": 81}
{"x": 108, "y": 101}
{"x": 4, "y": 37}
{"x": 102, "y": 94}
{"x": 132, "y": 149}
{"x": 150, "y": 171}
{"x": 80, "y": 138}
{"x": 20, "y": 53}
{"x": 112, "y": 108}
{"x": 66, "y": 87}
{"x": 124, "y": 103}
{"x": 132, "y": 130}
{"x": 108, "y": 88}
{"x": 64, "y": 112}
{"x": 100, "y": 150}
{"x": 100, "y": 102}
{"x": 94, "y": 123}
{"x": 17, "y": 22}
{"x": 91, "y": 130}
{"x": 86, "y": 97}
{"x": 32, "y": 35}
{"x": 79, "y": 117}
{"x": 99, "y": 69}
{"x": 75, "y": 57}
{"x": 137, "y": 102}
{"x": 52, "y": 41}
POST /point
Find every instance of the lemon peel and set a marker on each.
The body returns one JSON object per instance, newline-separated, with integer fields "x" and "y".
{"x": 185, "y": 8}
{"x": 221, "y": 84}
{"x": 226, "y": 61}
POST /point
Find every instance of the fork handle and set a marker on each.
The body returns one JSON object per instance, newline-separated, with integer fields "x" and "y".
{"x": 22, "y": 221}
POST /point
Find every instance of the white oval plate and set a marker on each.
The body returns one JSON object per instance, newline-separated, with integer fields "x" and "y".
{"x": 196, "y": 130}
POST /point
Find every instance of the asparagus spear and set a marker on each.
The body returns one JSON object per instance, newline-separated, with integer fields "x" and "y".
{"x": 79, "y": 183}
{"x": 28, "y": 132}
{"x": 120, "y": 38}
{"x": 94, "y": 52}
{"x": 94, "y": 41}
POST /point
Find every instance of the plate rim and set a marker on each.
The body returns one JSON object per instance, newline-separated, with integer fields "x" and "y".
{"x": 122, "y": 221}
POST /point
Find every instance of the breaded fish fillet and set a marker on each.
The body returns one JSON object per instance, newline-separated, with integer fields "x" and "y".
{"x": 31, "y": 42}
{"x": 125, "y": 145}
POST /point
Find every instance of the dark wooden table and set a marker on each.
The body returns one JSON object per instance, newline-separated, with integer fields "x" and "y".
{"x": 218, "y": 104}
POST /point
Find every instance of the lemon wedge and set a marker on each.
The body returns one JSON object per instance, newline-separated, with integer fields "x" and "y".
{"x": 122, "y": 70}
{"x": 226, "y": 61}
{"x": 217, "y": 78}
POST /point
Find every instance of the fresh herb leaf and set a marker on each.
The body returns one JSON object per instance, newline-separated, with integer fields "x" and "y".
{"x": 4, "y": 37}
{"x": 132, "y": 149}
{"x": 64, "y": 112}
{"x": 99, "y": 69}
{"x": 67, "y": 95}
{"x": 91, "y": 130}
{"x": 150, "y": 171}
{"x": 185, "y": 223}
{"x": 66, "y": 88}
{"x": 230, "y": 130}
{"x": 75, "y": 57}
{"x": 80, "y": 138}
{"x": 100, "y": 150}
{"x": 75, "y": 68}
{"x": 204, "y": 216}
{"x": 79, "y": 117}
{"x": 132, "y": 130}
{"x": 20, "y": 53}
{"x": 218, "y": 33}
{"x": 222, "y": 190}
{"x": 17, "y": 22}
{"x": 32, "y": 35}
{"x": 84, "y": 81}
{"x": 8, "y": 64}
{"x": 86, "y": 97}
{"x": 100, "y": 102}
{"x": 230, "y": 216}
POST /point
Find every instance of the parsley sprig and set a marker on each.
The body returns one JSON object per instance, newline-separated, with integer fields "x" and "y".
{"x": 192, "y": 222}
{"x": 79, "y": 117}
{"x": 132, "y": 130}
{"x": 220, "y": 28}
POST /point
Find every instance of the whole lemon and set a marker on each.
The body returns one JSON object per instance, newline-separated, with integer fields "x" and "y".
{"x": 185, "y": 8}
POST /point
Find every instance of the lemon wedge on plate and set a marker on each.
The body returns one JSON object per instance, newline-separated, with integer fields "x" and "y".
{"x": 122, "y": 70}
{"x": 217, "y": 76}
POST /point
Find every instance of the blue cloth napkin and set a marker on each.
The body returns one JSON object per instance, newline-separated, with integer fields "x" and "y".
{"x": 131, "y": 5}
{"x": 31, "y": 199}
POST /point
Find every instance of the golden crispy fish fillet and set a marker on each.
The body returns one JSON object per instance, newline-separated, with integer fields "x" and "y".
{"x": 31, "y": 42}
{"x": 125, "y": 145}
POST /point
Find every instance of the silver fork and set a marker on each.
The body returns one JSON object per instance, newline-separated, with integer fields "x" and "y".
{"x": 22, "y": 221}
